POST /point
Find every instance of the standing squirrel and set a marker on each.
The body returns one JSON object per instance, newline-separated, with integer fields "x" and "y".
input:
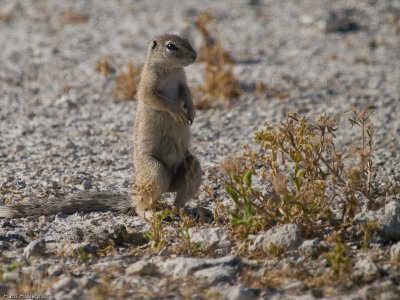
{"x": 161, "y": 158}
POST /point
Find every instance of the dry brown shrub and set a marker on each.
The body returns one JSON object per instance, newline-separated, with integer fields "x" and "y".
{"x": 31, "y": 284}
{"x": 211, "y": 44}
{"x": 234, "y": 165}
{"x": 277, "y": 93}
{"x": 144, "y": 192}
{"x": 103, "y": 66}
{"x": 5, "y": 17}
{"x": 219, "y": 81}
{"x": 300, "y": 163}
{"x": 74, "y": 17}
{"x": 261, "y": 87}
{"x": 126, "y": 84}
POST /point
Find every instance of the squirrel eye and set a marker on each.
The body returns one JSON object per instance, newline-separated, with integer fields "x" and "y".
{"x": 171, "y": 46}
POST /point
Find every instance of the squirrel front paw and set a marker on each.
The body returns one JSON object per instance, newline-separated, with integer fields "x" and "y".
{"x": 180, "y": 116}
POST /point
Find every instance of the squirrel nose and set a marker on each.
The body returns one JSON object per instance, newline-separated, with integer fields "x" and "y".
{"x": 194, "y": 55}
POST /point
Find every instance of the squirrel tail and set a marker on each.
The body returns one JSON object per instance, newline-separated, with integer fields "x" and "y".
{"x": 80, "y": 202}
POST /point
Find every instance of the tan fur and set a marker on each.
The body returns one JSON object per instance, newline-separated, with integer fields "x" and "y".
{"x": 161, "y": 134}
{"x": 162, "y": 161}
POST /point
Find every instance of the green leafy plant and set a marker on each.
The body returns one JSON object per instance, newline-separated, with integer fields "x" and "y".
{"x": 178, "y": 228}
{"x": 83, "y": 254}
{"x": 13, "y": 266}
{"x": 368, "y": 229}
{"x": 240, "y": 193}
{"x": 273, "y": 250}
{"x": 337, "y": 259}
{"x": 156, "y": 233}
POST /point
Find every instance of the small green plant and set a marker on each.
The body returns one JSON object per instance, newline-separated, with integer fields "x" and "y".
{"x": 273, "y": 250}
{"x": 83, "y": 254}
{"x": 13, "y": 266}
{"x": 183, "y": 231}
{"x": 179, "y": 225}
{"x": 186, "y": 246}
{"x": 156, "y": 233}
{"x": 368, "y": 229}
{"x": 240, "y": 193}
{"x": 337, "y": 259}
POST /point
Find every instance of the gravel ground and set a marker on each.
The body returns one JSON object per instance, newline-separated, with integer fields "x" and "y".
{"x": 62, "y": 131}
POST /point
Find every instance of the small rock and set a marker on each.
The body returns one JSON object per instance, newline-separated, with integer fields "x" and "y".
{"x": 294, "y": 286}
{"x": 342, "y": 21}
{"x": 123, "y": 151}
{"x": 184, "y": 266}
{"x": 306, "y": 20}
{"x": 60, "y": 216}
{"x": 216, "y": 237}
{"x": 55, "y": 270}
{"x": 365, "y": 270}
{"x": 14, "y": 276}
{"x": 104, "y": 266}
{"x": 3, "y": 289}
{"x": 165, "y": 252}
{"x": 395, "y": 252}
{"x": 312, "y": 248}
{"x": 65, "y": 288}
{"x": 217, "y": 274}
{"x": 4, "y": 245}
{"x": 317, "y": 292}
{"x": 119, "y": 234}
{"x": 42, "y": 221}
{"x": 253, "y": 2}
{"x": 240, "y": 292}
{"x": 36, "y": 272}
{"x": 88, "y": 282}
{"x": 285, "y": 237}
{"x": 126, "y": 183}
{"x": 365, "y": 216}
{"x": 87, "y": 184}
{"x": 73, "y": 249}
{"x": 389, "y": 221}
{"x": 70, "y": 145}
{"x": 121, "y": 237}
{"x": 35, "y": 248}
{"x": 15, "y": 237}
{"x": 142, "y": 268}
{"x": 77, "y": 235}
{"x": 390, "y": 295}
{"x": 53, "y": 184}
{"x": 8, "y": 223}
{"x": 21, "y": 184}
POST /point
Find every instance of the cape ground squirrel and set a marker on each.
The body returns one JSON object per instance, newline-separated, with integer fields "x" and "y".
{"x": 161, "y": 159}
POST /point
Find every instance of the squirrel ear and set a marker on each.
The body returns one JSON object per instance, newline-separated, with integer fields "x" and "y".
{"x": 153, "y": 44}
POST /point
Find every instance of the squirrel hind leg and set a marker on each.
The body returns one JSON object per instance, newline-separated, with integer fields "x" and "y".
{"x": 152, "y": 179}
{"x": 187, "y": 180}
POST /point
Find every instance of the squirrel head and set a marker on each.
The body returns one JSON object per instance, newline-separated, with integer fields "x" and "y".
{"x": 170, "y": 51}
